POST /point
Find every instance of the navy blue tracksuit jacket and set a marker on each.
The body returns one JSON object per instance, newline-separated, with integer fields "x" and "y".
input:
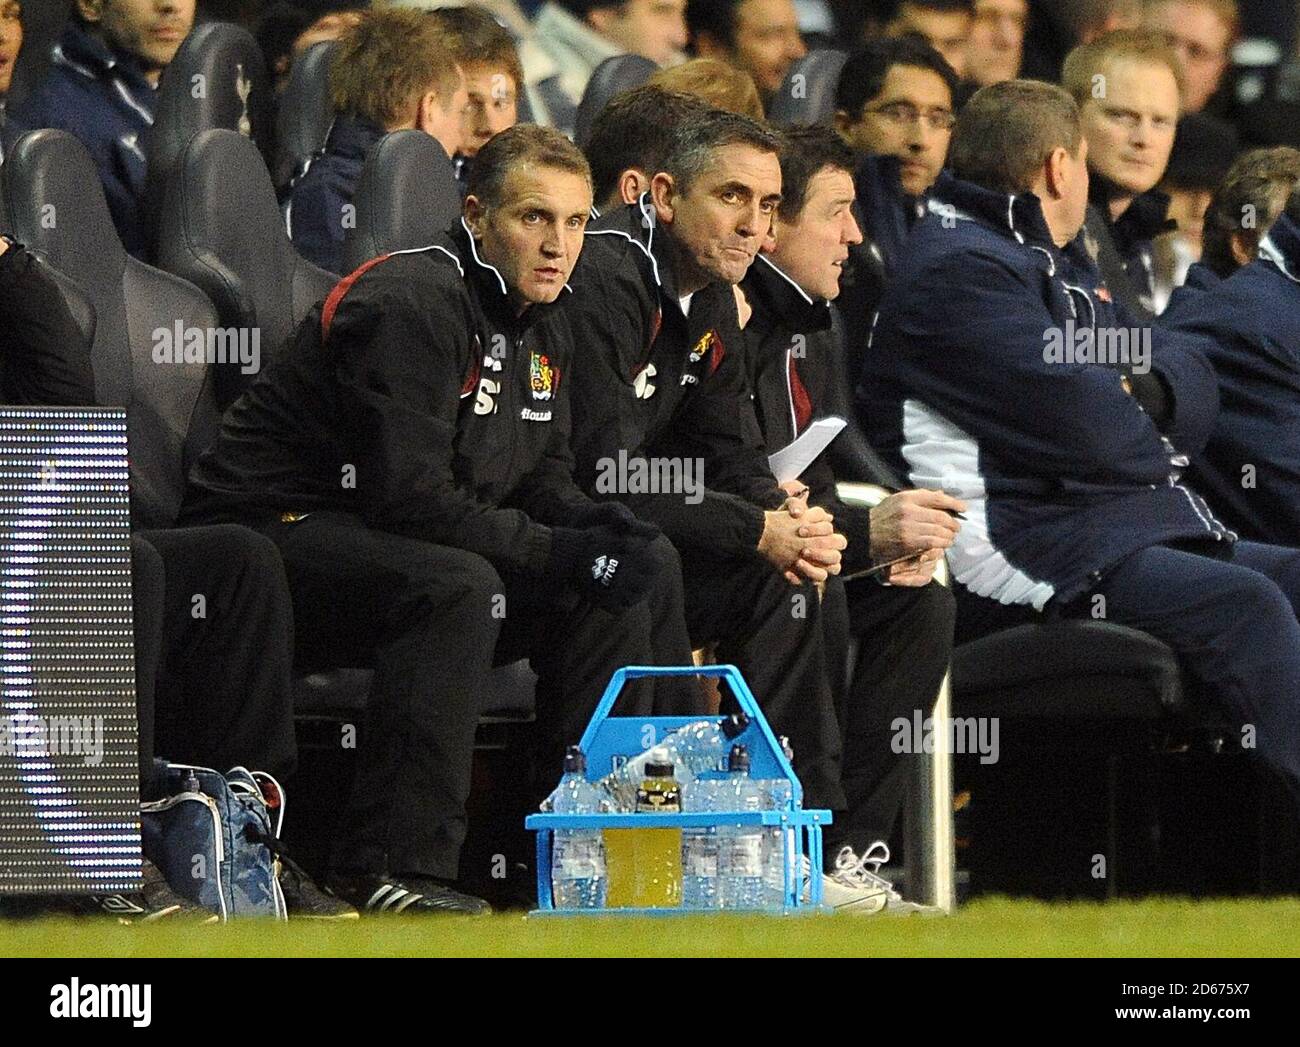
{"x": 1249, "y": 325}
{"x": 1064, "y": 471}
{"x": 102, "y": 98}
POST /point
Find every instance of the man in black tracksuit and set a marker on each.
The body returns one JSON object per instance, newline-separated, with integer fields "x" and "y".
{"x": 662, "y": 387}
{"x": 904, "y": 628}
{"x": 410, "y": 457}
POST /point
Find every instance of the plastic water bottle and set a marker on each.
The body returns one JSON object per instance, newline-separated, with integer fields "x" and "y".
{"x": 779, "y": 843}
{"x": 740, "y": 847}
{"x": 692, "y": 749}
{"x": 700, "y": 848}
{"x": 578, "y": 878}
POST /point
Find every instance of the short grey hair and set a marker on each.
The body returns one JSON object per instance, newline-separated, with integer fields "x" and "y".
{"x": 696, "y": 142}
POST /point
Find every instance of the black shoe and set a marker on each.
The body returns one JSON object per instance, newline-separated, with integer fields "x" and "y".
{"x": 305, "y": 900}
{"x": 154, "y": 901}
{"x": 385, "y": 894}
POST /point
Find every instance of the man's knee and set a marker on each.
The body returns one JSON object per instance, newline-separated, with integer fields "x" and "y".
{"x": 451, "y": 585}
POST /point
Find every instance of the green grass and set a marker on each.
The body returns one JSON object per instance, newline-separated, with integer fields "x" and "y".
{"x": 996, "y": 927}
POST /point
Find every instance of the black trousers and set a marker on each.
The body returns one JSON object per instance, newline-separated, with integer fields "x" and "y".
{"x": 214, "y": 641}
{"x": 904, "y": 644}
{"x": 773, "y": 632}
{"x": 432, "y": 621}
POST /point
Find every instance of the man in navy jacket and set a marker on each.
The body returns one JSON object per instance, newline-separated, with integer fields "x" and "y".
{"x": 1250, "y": 322}
{"x": 983, "y": 379}
{"x": 102, "y": 87}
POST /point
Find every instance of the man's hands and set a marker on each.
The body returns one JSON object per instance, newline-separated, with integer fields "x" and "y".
{"x": 801, "y": 542}
{"x": 919, "y": 521}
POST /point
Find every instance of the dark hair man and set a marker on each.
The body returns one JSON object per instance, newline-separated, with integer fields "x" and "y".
{"x": 410, "y": 457}
{"x": 631, "y": 138}
{"x": 904, "y": 629}
{"x": 662, "y": 392}
{"x": 393, "y": 70}
{"x": 894, "y": 103}
{"x": 758, "y": 37}
{"x": 580, "y": 34}
{"x": 944, "y": 24}
{"x": 1128, "y": 85}
{"x": 1071, "y": 480}
{"x": 102, "y": 88}
{"x": 1249, "y": 323}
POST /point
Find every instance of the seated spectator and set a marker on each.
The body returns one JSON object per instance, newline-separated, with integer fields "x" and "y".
{"x": 1129, "y": 87}
{"x": 1074, "y": 503}
{"x": 486, "y": 54}
{"x": 394, "y": 70}
{"x": 630, "y": 140}
{"x": 1201, "y": 33}
{"x": 212, "y": 689}
{"x": 580, "y": 34}
{"x": 721, "y": 85}
{"x": 1242, "y": 210}
{"x": 1204, "y": 149}
{"x": 11, "y": 43}
{"x": 997, "y": 41}
{"x": 1250, "y": 327}
{"x": 759, "y": 37}
{"x": 663, "y": 383}
{"x": 903, "y": 628}
{"x": 102, "y": 88}
{"x": 410, "y": 458}
{"x": 946, "y": 25}
{"x": 894, "y": 105}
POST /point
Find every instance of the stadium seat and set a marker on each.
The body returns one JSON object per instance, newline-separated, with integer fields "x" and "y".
{"x": 136, "y": 310}
{"x": 220, "y": 228}
{"x": 304, "y": 114}
{"x": 807, "y": 95}
{"x": 217, "y": 79}
{"x": 613, "y": 75}
{"x": 406, "y": 196}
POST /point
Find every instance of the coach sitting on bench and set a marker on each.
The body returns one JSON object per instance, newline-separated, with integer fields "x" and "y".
{"x": 410, "y": 457}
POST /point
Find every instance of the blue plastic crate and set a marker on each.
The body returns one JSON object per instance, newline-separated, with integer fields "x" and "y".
{"x": 611, "y": 740}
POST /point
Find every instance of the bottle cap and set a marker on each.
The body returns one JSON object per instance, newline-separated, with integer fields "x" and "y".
{"x": 660, "y": 764}
{"x": 734, "y": 725}
{"x": 575, "y": 761}
{"x": 738, "y": 760}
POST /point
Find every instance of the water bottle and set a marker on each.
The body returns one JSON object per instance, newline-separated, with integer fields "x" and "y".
{"x": 740, "y": 847}
{"x": 578, "y": 855}
{"x": 700, "y": 848}
{"x": 692, "y": 749}
{"x": 779, "y": 842}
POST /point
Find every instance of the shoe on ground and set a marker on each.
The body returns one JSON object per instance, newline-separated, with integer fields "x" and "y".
{"x": 154, "y": 902}
{"x": 384, "y": 894}
{"x": 305, "y": 900}
{"x": 856, "y": 886}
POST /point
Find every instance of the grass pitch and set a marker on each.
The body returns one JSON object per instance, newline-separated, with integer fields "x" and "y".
{"x": 990, "y": 927}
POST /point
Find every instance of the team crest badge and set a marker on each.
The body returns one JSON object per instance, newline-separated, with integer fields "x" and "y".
{"x": 703, "y": 347}
{"x": 543, "y": 376}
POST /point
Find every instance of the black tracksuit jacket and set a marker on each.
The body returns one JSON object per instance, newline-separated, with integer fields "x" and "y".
{"x": 415, "y": 398}
{"x": 790, "y": 364}
{"x": 654, "y": 382}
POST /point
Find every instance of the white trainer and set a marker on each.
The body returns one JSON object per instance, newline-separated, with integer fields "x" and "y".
{"x": 853, "y": 887}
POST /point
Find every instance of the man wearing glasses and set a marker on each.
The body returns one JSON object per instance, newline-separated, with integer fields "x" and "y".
{"x": 894, "y": 106}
